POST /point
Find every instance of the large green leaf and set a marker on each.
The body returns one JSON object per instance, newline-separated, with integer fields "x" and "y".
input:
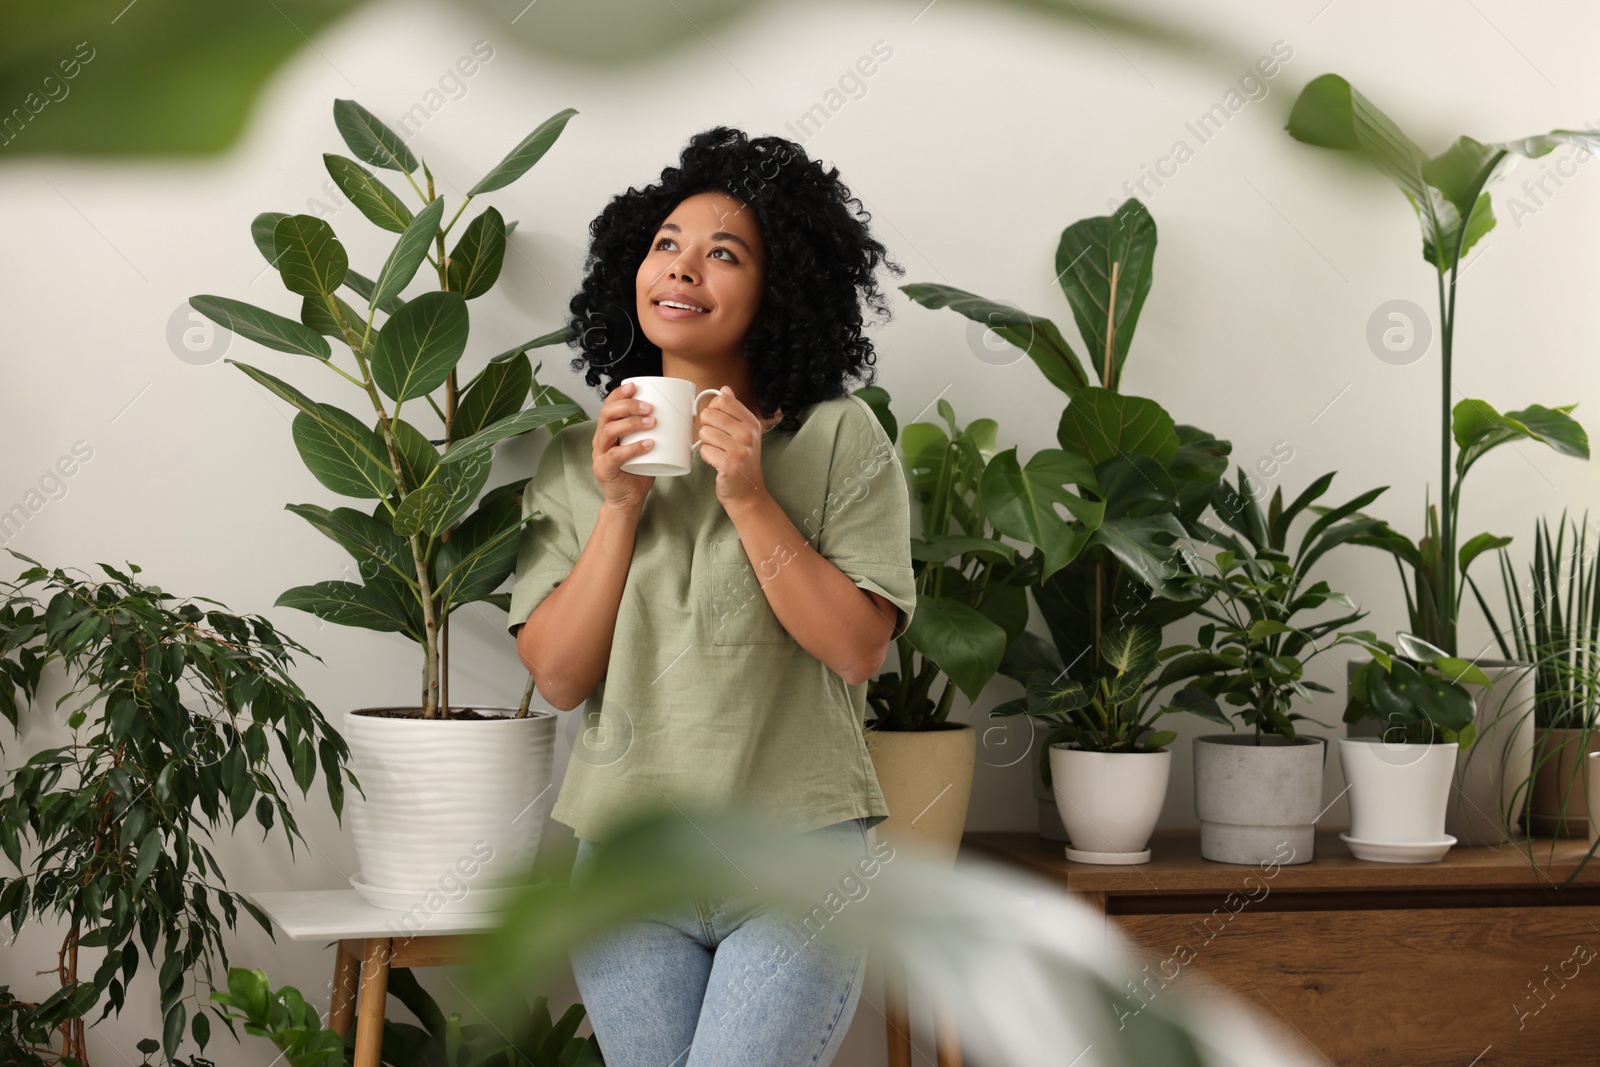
{"x": 475, "y": 262}
{"x": 1086, "y": 255}
{"x": 1151, "y": 548}
{"x": 348, "y": 459}
{"x": 1021, "y": 502}
{"x": 407, "y": 255}
{"x": 370, "y": 140}
{"x": 959, "y": 640}
{"x": 525, "y": 155}
{"x": 262, "y": 326}
{"x": 497, "y": 393}
{"x": 349, "y": 604}
{"x": 366, "y": 289}
{"x": 1444, "y": 190}
{"x": 374, "y": 546}
{"x": 1131, "y": 649}
{"x": 320, "y": 412}
{"x": 1040, "y": 338}
{"x": 315, "y": 314}
{"x": 1479, "y": 429}
{"x": 419, "y": 345}
{"x": 438, "y": 506}
{"x": 370, "y": 196}
{"x": 262, "y": 230}
{"x": 521, "y": 422}
{"x": 418, "y": 455}
{"x": 1101, "y": 424}
{"x": 481, "y": 553}
{"x": 309, "y": 256}
{"x": 421, "y": 511}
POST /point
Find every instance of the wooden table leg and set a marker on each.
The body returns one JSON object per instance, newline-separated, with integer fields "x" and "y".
{"x": 346, "y": 978}
{"x": 946, "y": 1040}
{"x": 374, "y": 992}
{"x": 897, "y": 1019}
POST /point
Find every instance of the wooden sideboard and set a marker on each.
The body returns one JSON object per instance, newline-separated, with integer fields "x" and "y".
{"x": 1474, "y": 961}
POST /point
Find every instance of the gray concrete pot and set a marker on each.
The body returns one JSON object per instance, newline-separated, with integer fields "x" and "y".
{"x": 1252, "y": 799}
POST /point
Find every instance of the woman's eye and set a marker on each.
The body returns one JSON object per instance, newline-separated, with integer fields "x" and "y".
{"x": 731, "y": 257}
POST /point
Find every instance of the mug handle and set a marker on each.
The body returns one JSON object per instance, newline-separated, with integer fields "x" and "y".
{"x": 693, "y": 449}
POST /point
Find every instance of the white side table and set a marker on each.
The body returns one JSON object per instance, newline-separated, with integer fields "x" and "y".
{"x": 371, "y": 940}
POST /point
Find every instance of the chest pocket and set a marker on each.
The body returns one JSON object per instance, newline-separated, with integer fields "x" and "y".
{"x": 737, "y": 609}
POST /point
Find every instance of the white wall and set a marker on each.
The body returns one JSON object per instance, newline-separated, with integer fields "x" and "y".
{"x": 982, "y": 137}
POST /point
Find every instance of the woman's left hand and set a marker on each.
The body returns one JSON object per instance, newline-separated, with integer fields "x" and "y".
{"x": 730, "y": 436}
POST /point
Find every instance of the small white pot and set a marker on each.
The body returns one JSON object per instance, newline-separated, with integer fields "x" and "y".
{"x": 1398, "y": 792}
{"x": 1492, "y": 774}
{"x": 454, "y": 808}
{"x": 1254, "y": 800}
{"x": 1109, "y": 801}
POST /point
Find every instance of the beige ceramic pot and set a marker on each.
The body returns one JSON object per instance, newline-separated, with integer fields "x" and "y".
{"x": 926, "y": 778}
{"x": 1561, "y": 781}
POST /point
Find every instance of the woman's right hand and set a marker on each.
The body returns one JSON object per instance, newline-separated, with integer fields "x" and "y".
{"x": 622, "y": 414}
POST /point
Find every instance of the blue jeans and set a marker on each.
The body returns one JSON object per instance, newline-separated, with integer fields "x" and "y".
{"x": 722, "y": 983}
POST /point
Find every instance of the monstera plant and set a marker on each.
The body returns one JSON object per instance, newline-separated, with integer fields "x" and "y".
{"x": 435, "y": 798}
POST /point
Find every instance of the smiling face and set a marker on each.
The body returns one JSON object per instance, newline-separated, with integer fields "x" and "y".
{"x": 708, "y": 255}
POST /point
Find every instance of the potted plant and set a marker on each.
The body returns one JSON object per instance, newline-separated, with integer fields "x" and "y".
{"x": 176, "y": 709}
{"x": 437, "y": 779}
{"x": 971, "y": 604}
{"x": 1132, "y": 479}
{"x": 1258, "y": 792}
{"x": 1557, "y": 628}
{"x": 1108, "y": 764}
{"x": 1399, "y": 781}
{"x": 1448, "y": 194}
{"x": 527, "y": 1038}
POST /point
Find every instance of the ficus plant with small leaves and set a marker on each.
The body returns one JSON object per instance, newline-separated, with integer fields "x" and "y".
{"x": 424, "y": 458}
{"x": 174, "y": 711}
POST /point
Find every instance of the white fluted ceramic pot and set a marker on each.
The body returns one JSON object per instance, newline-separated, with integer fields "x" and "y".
{"x": 454, "y": 808}
{"x": 1109, "y": 801}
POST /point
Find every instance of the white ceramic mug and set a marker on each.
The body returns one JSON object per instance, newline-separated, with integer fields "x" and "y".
{"x": 675, "y": 404}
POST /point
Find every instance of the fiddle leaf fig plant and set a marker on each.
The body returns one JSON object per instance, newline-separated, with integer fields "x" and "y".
{"x": 423, "y": 451}
{"x": 1448, "y": 193}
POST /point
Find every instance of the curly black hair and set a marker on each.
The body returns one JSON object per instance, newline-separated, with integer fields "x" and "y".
{"x": 821, "y": 265}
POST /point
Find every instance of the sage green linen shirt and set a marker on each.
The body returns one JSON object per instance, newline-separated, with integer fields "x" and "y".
{"x": 706, "y": 697}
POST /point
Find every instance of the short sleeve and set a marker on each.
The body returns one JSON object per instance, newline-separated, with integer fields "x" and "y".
{"x": 548, "y": 545}
{"x": 866, "y": 524}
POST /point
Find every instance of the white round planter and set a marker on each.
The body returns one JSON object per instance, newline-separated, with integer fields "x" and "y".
{"x": 454, "y": 808}
{"x": 1109, "y": 801}
{"x": 1491, "y": 778}
{"x": 1254, "y": 800}
{"x": 1398, "y": 795}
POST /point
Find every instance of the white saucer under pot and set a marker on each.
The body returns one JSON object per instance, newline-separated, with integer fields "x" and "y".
{"x": 1398, "y": 795}
{"x": 1109, "y": 801}
{"x": 1382, "y": 852}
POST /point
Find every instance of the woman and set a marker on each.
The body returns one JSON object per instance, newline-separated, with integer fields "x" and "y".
{"x": 722, "y": 624}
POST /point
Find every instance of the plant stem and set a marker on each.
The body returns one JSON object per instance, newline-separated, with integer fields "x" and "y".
{"x": 430, "y": 658}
